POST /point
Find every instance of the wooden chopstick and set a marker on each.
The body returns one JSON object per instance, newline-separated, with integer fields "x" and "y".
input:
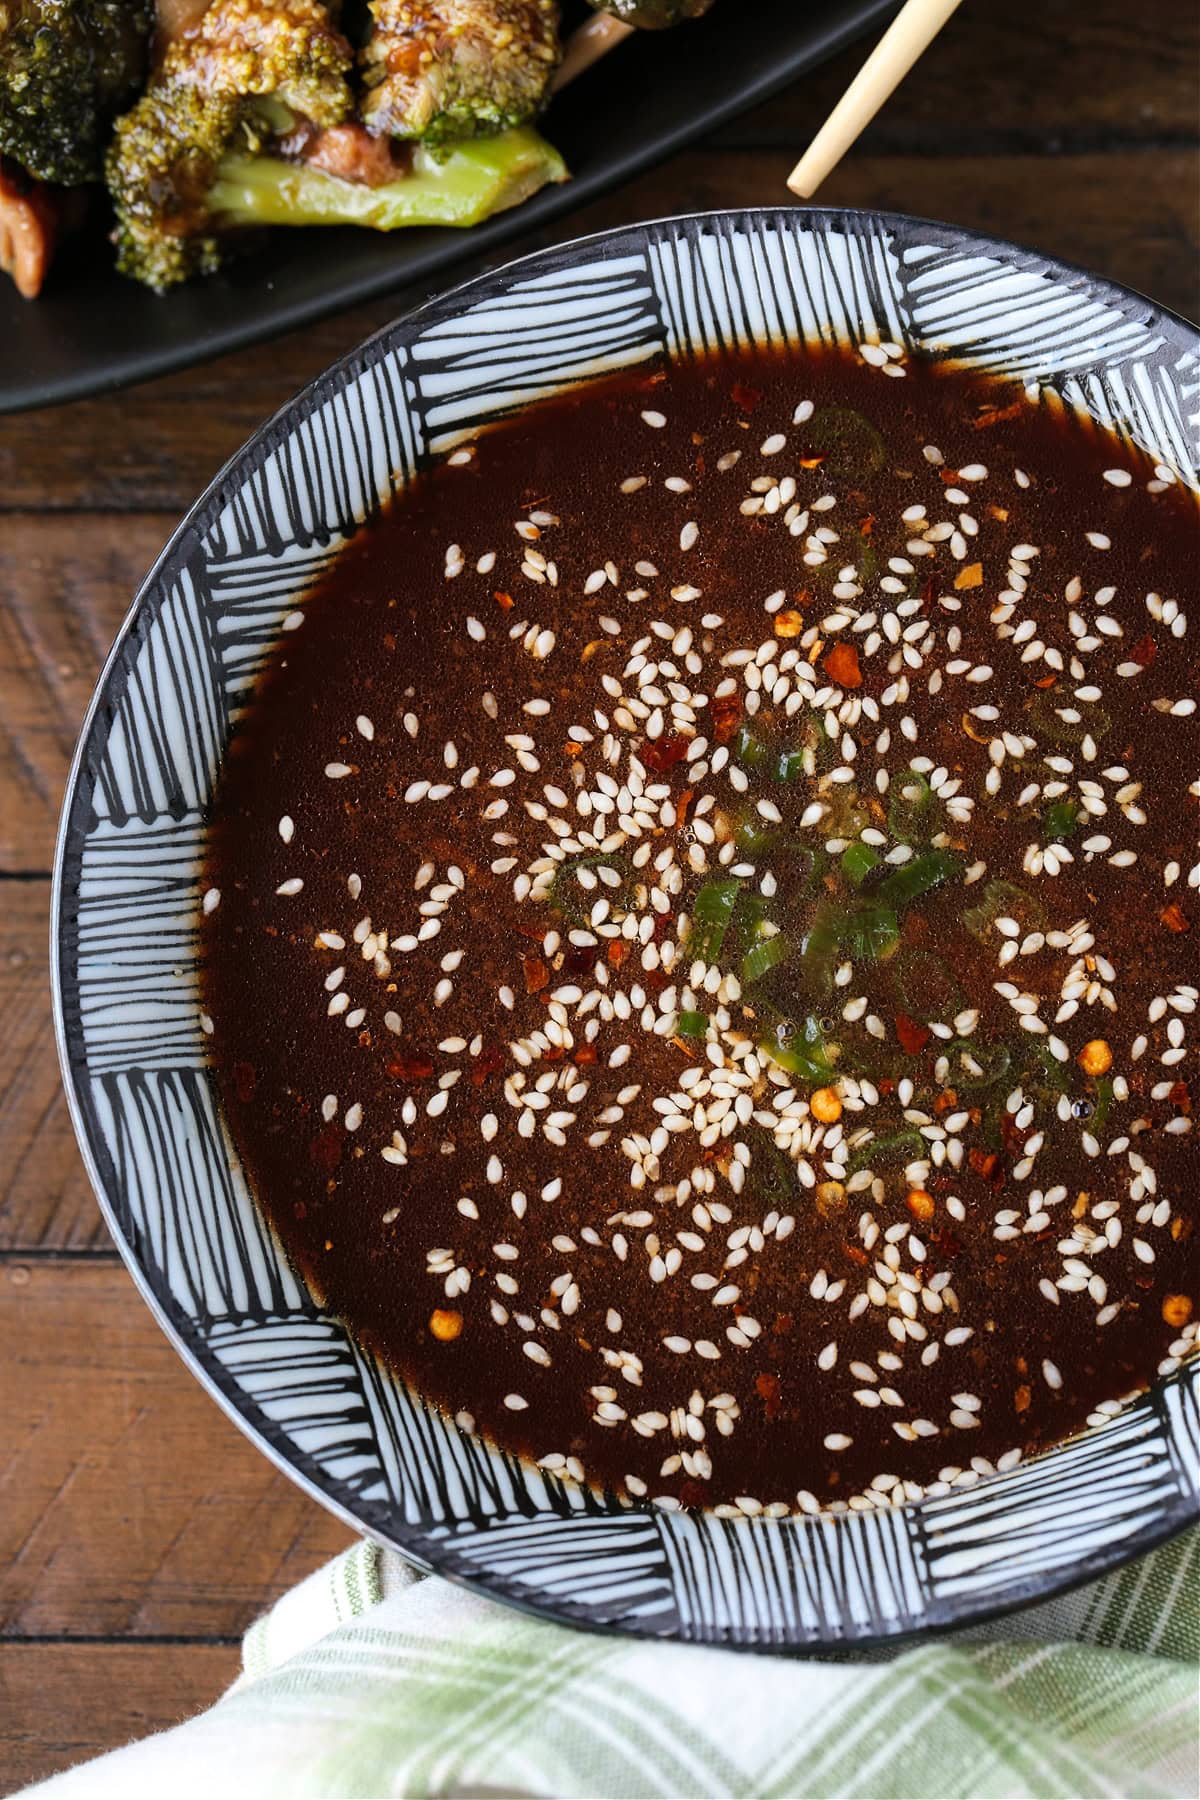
{"x": 592, "y": 40}
{"x": 909, "y": 34}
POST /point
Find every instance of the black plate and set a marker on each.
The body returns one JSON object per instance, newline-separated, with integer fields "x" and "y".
{"x": 92, "y": 330}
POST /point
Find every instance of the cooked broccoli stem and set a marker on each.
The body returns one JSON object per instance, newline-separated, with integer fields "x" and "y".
{"x": 226, "y": 88}
{"x": 469, "y": 183}
{"x": 440, "y": 70}
{"x": 66, "y": 66}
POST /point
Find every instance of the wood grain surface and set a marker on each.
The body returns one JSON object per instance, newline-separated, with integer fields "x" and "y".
{"x": 139, "y": 1531}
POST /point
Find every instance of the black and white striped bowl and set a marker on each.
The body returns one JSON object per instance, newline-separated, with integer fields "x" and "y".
{"x": 127, "y": 895}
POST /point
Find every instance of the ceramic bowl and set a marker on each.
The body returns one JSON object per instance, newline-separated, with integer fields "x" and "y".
{"x": 127, "y": 894}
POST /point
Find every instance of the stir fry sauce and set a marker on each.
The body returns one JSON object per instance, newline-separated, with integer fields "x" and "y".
{"x": 700, "y": 941}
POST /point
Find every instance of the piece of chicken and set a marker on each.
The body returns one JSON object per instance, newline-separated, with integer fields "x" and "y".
{"x": 28, "y": 223}
{"x": 437, "y": 70}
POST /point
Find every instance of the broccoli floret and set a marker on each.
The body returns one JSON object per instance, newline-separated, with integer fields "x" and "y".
{"x": 65, "y": 67}
{"x": 440, "y": 70}
{"x": 652, "y": 15}
{"x": 241, "y": 78}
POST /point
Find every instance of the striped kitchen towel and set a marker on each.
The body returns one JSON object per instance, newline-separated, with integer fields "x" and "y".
{"x": 370, "y": 1679}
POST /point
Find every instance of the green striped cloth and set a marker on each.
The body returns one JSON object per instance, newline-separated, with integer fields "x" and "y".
{"x": 369, "y": 1679}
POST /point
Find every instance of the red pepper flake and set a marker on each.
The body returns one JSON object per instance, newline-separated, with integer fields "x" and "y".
{"x": 414, "y": 1067}
{"x": 913, "y": 1037}
{"x": 866, "y": 525}
{"x": 996, "y": 415}
{"x": 1181, "y": 1098}
{"x": 665, "y": 753}
{"x": 326, "y": 1148}
{"x": 1144, "y": 652}
{"x": 984, "y": 1162}
{"x": 537, "y": 975}
{"x": 617, "y": 951}
{"x": 490, "y": 1061}
{"x": 841, "y": 666}
{"x": 1174, "y": 918}
{"x": 744, "y": 396}
{"x": 586, "y": 1053}
{"x": 681, "y": 807}
{"x": 726, "y": 713}
{"x": 767, "y": 1389}
{"x": 949, "y": 477}
{"x": 504, "y": 600}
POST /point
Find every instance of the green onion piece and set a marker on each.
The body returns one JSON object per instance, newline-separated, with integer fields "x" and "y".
{"x": 1104, "y": 1099}
{"x": 978, "y": 1066}
{"x": 1002, "y": 899}
{"x": 790, "y": 766}
{"x": 849, "y": 445}
{"x": 857, "y": 862}
{"x": 711, "y": 913}
{"x": 925, "y": 986}
{"x": 692, "y": 1024}
{"x": 1043, "y": 1071}
{"x": 920, "y": 876}
{"x": 863, "y": 930}
{"x": 771, "y": 1176}
{"x": 753, "y": 835}
{"x": 766, "y": 954}
{"x": 913, "y": 813}
{"x": 1088, "y": 719}
{"x": 750, "y": 750}
{"x": 868, "y": 931}
{"x": 1062, "y": 820}
{"x": 799, "y": 1047}
{"x": 894, "y": 1151}
{"x": 565, "y": 894}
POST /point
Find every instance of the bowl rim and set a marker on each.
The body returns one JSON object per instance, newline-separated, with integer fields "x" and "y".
{"x": 414, "y": 1542}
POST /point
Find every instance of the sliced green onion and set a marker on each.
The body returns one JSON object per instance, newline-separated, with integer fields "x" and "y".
{"x": 790, "y": 766}
{"x": 750, "y": 750}
{"x": 920, "y": 876}
{"x": 799, "y": 1047}
{"x": 857, "y": 862}
{"x": 849, "y": 445}
{"x": 753, "y": 835}
{"x": 1045, "y": 711}
{"x": 771, "y": 1176}
{"x": 895, "y": 1150}
{"x": 766, "y": 954}
{"x": 863, "y": 930}
{"x": 1062, "y": 820}
{"x": 979, "y": 1066}
{"x": 692, "y": 1024}
{"x": 1104, "y": 1099}
{"x": 1003, "y": 899}
{"x": 913, "y": 812}
{"x": 565, "y": 894}
{"x": 711, "y": 912}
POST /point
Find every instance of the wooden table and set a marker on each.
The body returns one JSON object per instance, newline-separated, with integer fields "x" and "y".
{"x": 139, "y": 1532}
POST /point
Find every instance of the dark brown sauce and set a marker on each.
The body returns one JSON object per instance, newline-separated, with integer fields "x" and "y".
{"x": 385, "y": 636}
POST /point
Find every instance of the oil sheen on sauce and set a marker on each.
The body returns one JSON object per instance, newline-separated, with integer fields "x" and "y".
{"x": 701, "y": 932}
